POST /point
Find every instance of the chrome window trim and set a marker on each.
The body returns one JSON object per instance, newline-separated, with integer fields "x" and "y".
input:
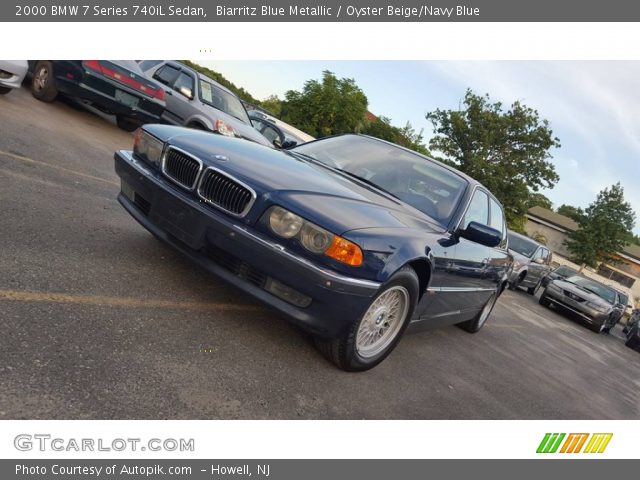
{"x": 163, "y": 164}
{"x": 246, "y": 210}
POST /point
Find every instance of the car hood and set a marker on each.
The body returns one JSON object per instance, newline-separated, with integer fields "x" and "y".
{"x": 588, "y": 296}
{"x": 321, "y": 195}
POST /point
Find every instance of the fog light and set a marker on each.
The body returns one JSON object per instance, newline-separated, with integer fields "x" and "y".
{"x": 286, "y": 293}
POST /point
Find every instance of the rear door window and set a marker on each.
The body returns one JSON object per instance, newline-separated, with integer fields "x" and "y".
{"x": 166, "y": 75}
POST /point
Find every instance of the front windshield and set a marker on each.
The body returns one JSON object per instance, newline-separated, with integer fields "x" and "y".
{"x": 522, "y": 245}
{"x": 417, "y": 181}
{"x": 223, "y": 100}
{"x": 565, "y": 271}
{"x": 592, "y": 286}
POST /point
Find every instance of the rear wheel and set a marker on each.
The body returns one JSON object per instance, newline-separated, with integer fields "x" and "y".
{"x": 43, "y": 84}
{"x": 475, "y": 324}
{"x": 127, "y": 124}
{"x": 369, "y": 340}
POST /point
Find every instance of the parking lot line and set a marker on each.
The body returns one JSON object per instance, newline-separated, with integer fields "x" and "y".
{"x": 56, "y": 167}
{"x": 98, "y": 300}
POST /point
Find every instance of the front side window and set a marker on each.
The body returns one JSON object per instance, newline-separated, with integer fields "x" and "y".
{"x": 184, "y": 81}
{"x": 478, "y": 210}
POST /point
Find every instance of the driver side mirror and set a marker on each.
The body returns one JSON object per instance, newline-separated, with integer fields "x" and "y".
{"x": 539, "y": 261}
{"x": 482, "y": 234}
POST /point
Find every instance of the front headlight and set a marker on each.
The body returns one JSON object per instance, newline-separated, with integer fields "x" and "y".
{"x": 224, "y": 128}
{"x": 148, "y": 147}
{"x": 317, "y": 240}
{"x": 597, "y": 306}
{"x": 284, "y": 223}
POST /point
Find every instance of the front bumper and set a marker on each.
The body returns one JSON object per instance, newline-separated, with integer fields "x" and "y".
{"x": 196, "y": 230}
{"x": 14, "y": 71}
{"x": 590, "y": 315}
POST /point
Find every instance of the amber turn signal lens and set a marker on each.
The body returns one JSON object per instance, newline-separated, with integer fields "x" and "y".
{"x": 345, "y": 251}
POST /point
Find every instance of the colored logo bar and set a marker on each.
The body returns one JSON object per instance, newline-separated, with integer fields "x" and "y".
{"x": 574, "y": 443}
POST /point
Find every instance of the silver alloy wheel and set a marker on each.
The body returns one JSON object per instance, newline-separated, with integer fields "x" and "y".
{"x": 382, "y": 321}
{"x": 40, "y": 78}
{"x": 487, "y": 310}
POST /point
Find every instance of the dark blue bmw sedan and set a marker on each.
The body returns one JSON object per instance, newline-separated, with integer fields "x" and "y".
{"x": 353, "y": 238}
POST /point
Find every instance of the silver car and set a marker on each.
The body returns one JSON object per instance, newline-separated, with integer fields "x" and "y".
{"x": 588, "y": 299}
{"x": 12, "y": 73}
{"x": 531, "y": 262}
{"x": 196, "y": 101}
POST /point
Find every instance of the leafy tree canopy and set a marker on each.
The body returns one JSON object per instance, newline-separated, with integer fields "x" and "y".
{"x": 407, "y": 137}
{"x": 604, "y": 229}
{"x": 327, "y": 107}
{"x": 506, "y": 150}
{"x": 536, "y": 199}
{"x": 575, "y": 213}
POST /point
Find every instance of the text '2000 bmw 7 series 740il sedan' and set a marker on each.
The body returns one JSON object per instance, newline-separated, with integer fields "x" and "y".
{"x": 353, "y": 238}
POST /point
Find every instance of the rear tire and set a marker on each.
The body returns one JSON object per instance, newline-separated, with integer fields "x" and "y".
{"x": 127, "y": 124}
{"x": 475, "y": 324}
{"x": 43, "y": 83}
{"x": 371, "y": 338}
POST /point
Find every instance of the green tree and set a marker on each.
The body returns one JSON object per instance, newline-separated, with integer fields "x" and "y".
{"x": 536, "y": 199}
{"x": 273, "y": 105}
{"x": 407, "y": 137}
{"x": 604, "y": 229}
{"x": 575, "y": 213}
{"x": 508, "y": 151}
{"x": 327, "y": 107}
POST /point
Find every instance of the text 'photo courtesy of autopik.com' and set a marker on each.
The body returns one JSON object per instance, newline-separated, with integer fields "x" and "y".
{"x": 426, "y": 253}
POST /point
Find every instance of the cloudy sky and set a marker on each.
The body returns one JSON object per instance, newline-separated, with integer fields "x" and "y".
{"x": 593, "y": 107}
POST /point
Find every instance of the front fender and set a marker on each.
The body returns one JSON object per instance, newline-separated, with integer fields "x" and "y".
{"x": 397, "y": 247}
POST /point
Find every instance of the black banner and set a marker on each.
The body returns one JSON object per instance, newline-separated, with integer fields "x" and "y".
{"x": 319, "y": 11}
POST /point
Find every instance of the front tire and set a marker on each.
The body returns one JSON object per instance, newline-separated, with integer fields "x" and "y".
{"x": 43, "y": 84}
{"x": 544, "y": 301}
{"x": 475, "y": 324}
{"x": 371, "y": 338}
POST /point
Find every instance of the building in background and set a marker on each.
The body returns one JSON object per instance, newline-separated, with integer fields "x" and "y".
{"x": 556, "y": 228}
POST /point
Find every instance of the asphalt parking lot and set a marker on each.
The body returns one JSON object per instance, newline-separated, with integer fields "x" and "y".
{"x": 101, "y": 321}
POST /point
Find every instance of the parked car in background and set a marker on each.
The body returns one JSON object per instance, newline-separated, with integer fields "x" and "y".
{"x": 197, "y": 101}
{"x": 563, "y": 271}
{"x": 115, "y": 87}
{"x": 590, "y": 300}
{"x": 276, "y": 132}
{"x": 351, "y": 237}
{"x": 12, "y": 72}
{"x": 632, "y": 330}
{"x": 531, "y": 262}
